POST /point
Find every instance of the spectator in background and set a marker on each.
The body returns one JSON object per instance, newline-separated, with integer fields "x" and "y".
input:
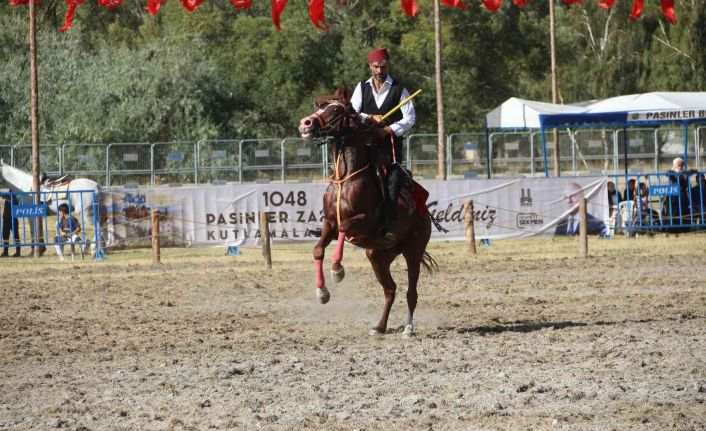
{"x": 642, "y": 205}
{"x": 630, "y": 190}
{"x": 677, "y": 207}
{"x": 69, "y": 228}
{"x": 570, "y": 224}
{"x": 698, "y": 197}
{"x": 613, "y": 198}
{"x": 9, "y": 223}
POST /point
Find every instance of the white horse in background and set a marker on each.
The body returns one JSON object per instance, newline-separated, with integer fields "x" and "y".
{"x": 20, "y": 181}
{"x": 54, "y": 195}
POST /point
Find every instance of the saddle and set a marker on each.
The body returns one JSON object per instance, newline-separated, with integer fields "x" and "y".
{"x": 57, "y": 182}
{"x": 60, "y": 186}
{"x": 413, "y": 195}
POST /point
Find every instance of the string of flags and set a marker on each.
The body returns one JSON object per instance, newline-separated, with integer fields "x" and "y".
{"x": 316, "y": 8}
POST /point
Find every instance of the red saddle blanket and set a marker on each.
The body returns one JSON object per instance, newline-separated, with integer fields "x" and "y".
{"x": 420, "y": 195}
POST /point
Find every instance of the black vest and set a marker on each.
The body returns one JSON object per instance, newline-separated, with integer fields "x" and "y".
{"x": 394, "y": 96}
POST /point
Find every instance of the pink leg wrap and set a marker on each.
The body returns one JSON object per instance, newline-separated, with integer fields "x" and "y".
{"x": 319, "y": 268}
{"x": 338, "y": 253}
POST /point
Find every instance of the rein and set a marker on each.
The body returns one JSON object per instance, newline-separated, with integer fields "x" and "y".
{"x": 338, "y": 182}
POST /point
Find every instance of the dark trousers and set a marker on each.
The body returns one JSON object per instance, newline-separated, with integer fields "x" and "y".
{"x": 9, "y": 224}
{"x": 394, "y": 186}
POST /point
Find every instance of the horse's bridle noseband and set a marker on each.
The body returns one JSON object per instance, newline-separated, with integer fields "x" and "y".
{"x": 338, "y": 124}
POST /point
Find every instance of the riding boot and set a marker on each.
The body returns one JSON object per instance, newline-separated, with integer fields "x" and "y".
{"x": 394, "y": 188}
{"x": 385, "y": 230}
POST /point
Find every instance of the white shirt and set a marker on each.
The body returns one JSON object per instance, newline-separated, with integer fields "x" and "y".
{"x": 408, "y": 115}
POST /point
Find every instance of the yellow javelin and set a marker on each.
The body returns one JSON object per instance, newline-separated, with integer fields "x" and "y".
{"x": 393, "y": 110}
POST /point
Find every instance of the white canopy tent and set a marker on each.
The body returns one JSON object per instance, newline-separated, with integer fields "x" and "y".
{"x": 658, "y": 101}
{"x": 517, "y": 113}
{"x": 648, "y": 109}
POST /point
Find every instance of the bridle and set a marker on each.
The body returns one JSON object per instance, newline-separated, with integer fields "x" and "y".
{"x": 343, "y": 123}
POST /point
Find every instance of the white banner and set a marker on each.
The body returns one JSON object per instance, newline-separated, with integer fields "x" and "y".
{"x": 229, "y": 214}
{"x": 678, "y": 114}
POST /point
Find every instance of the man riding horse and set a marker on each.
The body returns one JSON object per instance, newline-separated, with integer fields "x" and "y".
{"x": 372, "y": 99}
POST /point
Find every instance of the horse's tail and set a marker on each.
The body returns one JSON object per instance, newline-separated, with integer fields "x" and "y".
{"x": 429, "y": 263}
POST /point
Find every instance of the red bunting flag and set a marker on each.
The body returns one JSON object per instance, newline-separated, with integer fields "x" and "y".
{"x": 277, "y": 9}
{"x": 492, "y": 5}
{"x": 110, "y": 4}
{"x": 191, "y": 5}
{"x": 317, "y": 8}
{"x": 668, "y": 11}
{"x": 410, "y": 7}
{"x": 316, "y": 13}
{"x": 454, "y": 3}
{"x": 153, "y": 6}
{"x": 70, "y": 10}
{"x": 636, "y": 9}
{"x": 239, "y": 4}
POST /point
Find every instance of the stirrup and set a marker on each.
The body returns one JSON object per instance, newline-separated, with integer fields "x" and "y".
{"x": 387, "y": 234}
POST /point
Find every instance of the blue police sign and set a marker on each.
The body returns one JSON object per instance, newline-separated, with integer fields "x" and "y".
{"x": 29, "y": 211}
{"x": 664, "y": 190}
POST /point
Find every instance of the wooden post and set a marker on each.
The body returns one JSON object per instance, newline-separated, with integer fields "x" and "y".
{"x": 265, "y": 238}
{"x": 555, "y": 82}
{"x": 441, "y": 130}
{"x": 583, "y": 229}
{"x": 155, "y": 237}
{"x": 470, "y": 228}
{"x": 38, "y": 237}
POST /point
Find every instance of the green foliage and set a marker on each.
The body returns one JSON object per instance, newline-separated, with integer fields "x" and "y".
{"x": 124, "y": 76}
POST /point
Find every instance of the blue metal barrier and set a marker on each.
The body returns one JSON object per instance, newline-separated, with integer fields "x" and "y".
{"x": 30, "y": 221}
{"x": 661, "y": 202}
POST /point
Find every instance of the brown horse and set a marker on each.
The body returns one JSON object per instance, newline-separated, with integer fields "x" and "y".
{"x": 353, "y": 204}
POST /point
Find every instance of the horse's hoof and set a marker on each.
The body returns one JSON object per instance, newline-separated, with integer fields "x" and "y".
{"x": 323, "y": 295}
{"x": 337, "y": 276}
{"x": 409, "y": 330}
{"x": 376, "y": 331}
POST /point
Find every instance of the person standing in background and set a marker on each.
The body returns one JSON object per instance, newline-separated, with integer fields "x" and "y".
{"x": 10, "y": 223}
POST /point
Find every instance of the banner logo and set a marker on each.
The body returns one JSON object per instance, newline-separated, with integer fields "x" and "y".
{"x": 526, "y": 199}
{"x": 525, "y": 220}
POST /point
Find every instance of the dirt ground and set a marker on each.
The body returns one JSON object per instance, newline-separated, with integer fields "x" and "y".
{"x": 525, "y": 335}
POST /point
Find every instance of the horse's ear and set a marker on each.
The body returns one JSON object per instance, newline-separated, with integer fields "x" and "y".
{"x": 344, "y": 92}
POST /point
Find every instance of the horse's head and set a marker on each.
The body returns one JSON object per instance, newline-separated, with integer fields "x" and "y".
{"x": 334, "y": 116}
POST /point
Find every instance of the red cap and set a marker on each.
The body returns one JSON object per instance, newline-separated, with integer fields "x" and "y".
{"x": 378, "y": 55}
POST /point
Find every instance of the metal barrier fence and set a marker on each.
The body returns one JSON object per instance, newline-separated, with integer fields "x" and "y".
{"x": 27, "y": 224}
{"x": 582, "y": 152}
{"x": 658, "y": 202}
